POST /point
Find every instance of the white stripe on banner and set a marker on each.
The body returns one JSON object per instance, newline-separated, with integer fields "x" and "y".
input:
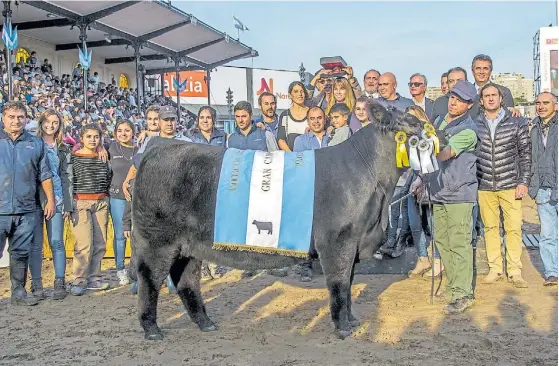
{"x": 265, "y": 201}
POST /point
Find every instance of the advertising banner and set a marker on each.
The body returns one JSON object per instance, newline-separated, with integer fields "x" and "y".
{"x": 275, "y": 82}
{"x": 194, "y": 90}
{"x": 549, "y": 50}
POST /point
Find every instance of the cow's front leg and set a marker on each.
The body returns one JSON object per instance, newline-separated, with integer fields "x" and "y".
{"x": 188, "y": 289}
{"x": 353, "y": 321}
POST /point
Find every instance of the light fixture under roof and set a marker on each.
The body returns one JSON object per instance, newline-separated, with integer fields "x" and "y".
{"x": 51, "y": 15}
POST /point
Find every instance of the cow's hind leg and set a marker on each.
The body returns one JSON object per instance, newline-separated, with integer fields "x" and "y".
{"x": 186, "y": 274}
{"x": 337, "y": 267}
{"x": 353, "y": 321}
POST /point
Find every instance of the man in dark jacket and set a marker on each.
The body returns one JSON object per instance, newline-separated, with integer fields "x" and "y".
{"x": 543, "y": 184}
{"x": 23, "y": 165}
{"x": 503, "y": 170}
{"x": 453, "y": 190}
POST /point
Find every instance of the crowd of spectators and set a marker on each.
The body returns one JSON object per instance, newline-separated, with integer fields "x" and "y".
{"x": 491, "y": 162}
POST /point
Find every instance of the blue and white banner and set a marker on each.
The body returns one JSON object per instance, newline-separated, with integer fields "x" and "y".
{"x": 265, "y": 202}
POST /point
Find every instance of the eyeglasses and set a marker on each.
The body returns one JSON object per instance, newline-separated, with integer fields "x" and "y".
{"x": 416, "y": 85}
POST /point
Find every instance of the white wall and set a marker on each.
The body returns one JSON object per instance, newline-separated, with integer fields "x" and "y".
{"x": 63, "y": 61}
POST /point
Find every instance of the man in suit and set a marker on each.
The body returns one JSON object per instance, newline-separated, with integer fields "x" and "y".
{"x": 482, "y": 67}
{"x": 418, "y": 85}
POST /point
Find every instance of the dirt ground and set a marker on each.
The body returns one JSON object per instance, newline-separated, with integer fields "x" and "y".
{"x": 279, "y": 321}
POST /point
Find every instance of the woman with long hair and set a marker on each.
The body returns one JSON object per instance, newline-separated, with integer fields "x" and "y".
{"x": 293, "y": 122}
{"x": 121, "y": 151}
{"x": 341, "y": 93}
{"x": 50, "y": 129}
{"x": 418, "y": 213}
{"x": 92, "y": 178}
{"x": 205, "y": 132}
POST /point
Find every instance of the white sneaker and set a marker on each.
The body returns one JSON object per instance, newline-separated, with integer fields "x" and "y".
{"x": 123, "y": 277}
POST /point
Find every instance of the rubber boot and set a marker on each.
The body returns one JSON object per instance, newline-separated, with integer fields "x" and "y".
{"x": 400, "y": 246}
{"x": 18, "y": 277}
{"x": 388, "y": 247}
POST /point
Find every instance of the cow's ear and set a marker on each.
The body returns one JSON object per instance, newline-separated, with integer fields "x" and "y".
{"x": 377, "y": 113}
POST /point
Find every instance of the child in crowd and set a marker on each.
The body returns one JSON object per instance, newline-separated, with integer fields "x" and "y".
{"x": 339, "y": 130}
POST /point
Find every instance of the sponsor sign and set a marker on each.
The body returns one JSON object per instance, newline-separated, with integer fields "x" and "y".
{"x": 275, "y": 82}
{"x": 549, "y": 50}
{"x": 195, "y": 90}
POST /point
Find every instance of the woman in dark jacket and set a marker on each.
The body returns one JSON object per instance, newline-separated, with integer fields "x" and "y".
{"x": 206, "y": 133}
{"x": 50, "y": 129}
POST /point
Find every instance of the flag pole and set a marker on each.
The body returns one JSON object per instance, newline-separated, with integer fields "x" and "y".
{"x": 7, "y": 13}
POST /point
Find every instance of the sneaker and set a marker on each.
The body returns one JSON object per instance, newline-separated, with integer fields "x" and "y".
{"x": 77, "y": 290}
{"x": 518, "y": 281}
{"x": 59, "y": 292}
{"x": 306, "y": 272}
{"x": 550, "y": 281}
{"x": 279, "y": 272}
{"x": 98, "y": 285}
{"x": 206, "y": 272}
{"x": 37, "y": 290}
{"x": 458, "y": 306}
{"x": 492, "y": 277}
{"x": 123, "y": 277}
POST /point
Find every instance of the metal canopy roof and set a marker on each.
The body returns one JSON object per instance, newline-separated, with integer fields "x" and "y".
{"x": 164, "y": 33}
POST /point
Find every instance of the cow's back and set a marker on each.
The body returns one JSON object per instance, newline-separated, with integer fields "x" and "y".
{"x": 175, "y": 191}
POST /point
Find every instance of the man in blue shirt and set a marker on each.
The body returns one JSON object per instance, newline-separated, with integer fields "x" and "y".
{"x": 247, "y": 136}
{"x": 23, "y": 164}
{"x": 388, "y": 97}
{"x": 269, "y": 119}
{"x": 316, "y": 138}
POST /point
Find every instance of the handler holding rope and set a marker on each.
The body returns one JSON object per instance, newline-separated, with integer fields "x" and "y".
{"x": 453, "y": 192}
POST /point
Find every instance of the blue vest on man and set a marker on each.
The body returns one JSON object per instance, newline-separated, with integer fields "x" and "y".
{"x": 217, "y": 138}
{"x": 255, "y": 140}
{"x": 456, "y": 181}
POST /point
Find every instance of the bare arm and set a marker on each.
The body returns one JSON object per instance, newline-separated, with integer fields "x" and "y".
{"x": 283, "y": 145}
{"x": 126, "y": 185}
{"x": 50, "y": 207}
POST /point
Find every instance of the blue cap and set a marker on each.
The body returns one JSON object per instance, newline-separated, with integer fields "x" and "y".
{"x": 465, "y": 91}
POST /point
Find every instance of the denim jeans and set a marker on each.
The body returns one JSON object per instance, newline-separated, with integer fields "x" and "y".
{"x": 395, "y": 211}
{"x": 55, "y": 234}
{"x": 117, "y": 212}
{"x": 19, "y": 230}
{"x": 547, "y": 212}
{"x": 419, "y": 225}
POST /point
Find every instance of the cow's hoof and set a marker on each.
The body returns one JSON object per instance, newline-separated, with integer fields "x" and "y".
{"x": 355, "y": 323}
{"x": 208, "y": 328}
{"x": 342, "y": 334}
{"x": 156, "y": 335}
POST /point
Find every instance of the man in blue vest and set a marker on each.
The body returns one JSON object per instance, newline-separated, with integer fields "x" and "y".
{"x": 453, "y": 189}
{"x": 247, "y": 136}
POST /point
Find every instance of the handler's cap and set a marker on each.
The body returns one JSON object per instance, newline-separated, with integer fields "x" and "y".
{"x": 167, "y": 111}
{"x": 465, "y": 91}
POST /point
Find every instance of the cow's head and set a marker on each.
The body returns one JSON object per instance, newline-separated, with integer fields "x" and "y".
{"x": 393, "y": 119}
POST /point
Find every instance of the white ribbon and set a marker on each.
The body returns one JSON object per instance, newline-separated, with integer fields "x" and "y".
{"x": 415, "y": 164}
{"x": 425, "y": 153}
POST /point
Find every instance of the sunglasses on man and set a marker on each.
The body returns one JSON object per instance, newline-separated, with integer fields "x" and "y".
{"x": 415, "y": 85}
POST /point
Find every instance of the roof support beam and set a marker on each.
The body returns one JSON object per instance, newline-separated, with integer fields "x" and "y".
{"x": 227, "y": 60}
{"x": 120, "y": 60}
{"x": 109, "y": 11}
{"x": 92, "y": 44}
{"x": 199, "y": 47}
{"x": 173, "y": 69}
{"x": 162, "y": 31}
{"x": 40, "y": 24}
{"x": 48, "y": 7}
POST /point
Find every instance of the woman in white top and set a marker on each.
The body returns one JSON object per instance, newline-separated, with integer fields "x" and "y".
{"x": 293, "y": 122}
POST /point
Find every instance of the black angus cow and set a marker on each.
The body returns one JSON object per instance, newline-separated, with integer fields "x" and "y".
{"x": 173, "y": 217}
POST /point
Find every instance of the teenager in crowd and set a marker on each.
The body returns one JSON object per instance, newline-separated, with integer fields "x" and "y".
{"x": 360, "y": 117}
{"x": 92, "y": 178}
{"x": 121, "y": 151}
{"x": 58, "y": 157}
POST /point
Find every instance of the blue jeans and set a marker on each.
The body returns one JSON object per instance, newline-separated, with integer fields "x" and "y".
{"x": 419, "y": 225}
{"x": 19, "y": 230}
{"x": 55, "y": 234}
{"x": 117, "y": 212}
{"x": 547, "y": 212}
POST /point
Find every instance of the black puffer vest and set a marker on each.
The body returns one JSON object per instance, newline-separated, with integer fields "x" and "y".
{"x": 505, "y": 161}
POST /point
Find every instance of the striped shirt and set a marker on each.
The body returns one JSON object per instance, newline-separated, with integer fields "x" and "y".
{"x": 92, "y": 177}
